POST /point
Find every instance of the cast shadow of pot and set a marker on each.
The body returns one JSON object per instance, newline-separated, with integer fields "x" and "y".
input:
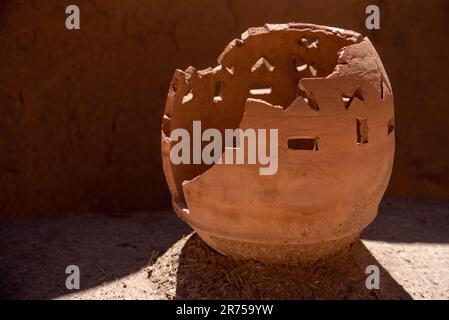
{"x": 205, "y": 274}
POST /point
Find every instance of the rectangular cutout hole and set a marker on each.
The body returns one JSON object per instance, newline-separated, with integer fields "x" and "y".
{"x": 382, "y": 90}
{"x": 301, "y": 65}
{"x": 362, "y": 130}
{"x": 259, "y": 90}
{"x": 218, "y": 91}
{"x": 304, "y": 143}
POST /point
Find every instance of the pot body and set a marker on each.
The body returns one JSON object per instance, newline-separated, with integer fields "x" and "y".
{"x": 335, "y": 144}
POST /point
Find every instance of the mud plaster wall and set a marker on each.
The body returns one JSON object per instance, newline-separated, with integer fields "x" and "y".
{"x": 80, "y": 111}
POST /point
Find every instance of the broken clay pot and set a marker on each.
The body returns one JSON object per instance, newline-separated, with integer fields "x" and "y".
{"x": 326, "y": 91}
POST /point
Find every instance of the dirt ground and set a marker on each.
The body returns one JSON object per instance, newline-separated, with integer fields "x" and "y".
{"x": 156, "y": 256}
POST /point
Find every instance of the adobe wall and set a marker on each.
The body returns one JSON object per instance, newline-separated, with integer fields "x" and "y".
{"x": 80, "y": 111}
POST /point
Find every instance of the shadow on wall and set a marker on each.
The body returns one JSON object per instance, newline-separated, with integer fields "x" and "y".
{"x": 80, "y": 111}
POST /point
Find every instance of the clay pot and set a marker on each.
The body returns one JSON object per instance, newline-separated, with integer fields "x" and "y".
{"x": 326, "y": 91}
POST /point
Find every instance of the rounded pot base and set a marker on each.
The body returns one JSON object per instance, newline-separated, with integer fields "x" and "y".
{"x": 302, "y": 254}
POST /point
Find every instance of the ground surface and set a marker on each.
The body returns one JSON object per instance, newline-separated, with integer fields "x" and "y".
{"x": 155, "y": 256}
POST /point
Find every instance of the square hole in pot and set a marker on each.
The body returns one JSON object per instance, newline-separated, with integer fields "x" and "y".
{"x": 303, "y": 143}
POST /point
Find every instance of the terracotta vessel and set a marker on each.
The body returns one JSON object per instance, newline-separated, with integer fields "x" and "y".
{"x": 326, "y": 91}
